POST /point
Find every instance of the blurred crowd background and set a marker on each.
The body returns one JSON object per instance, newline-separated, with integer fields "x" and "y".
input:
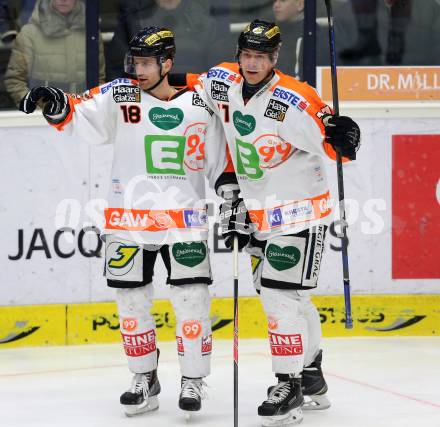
{"x": 43, "y": 42}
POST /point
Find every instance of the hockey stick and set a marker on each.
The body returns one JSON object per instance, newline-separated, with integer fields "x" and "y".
{"x": 235, "y": 262}
{"x": 346, "y": 275}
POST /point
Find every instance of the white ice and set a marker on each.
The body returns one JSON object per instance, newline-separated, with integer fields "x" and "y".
{"x": 387, "y": 382}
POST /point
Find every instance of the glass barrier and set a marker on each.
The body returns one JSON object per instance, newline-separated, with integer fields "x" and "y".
{"x": 386, "y": 32}
{"x": 40, "y": 45}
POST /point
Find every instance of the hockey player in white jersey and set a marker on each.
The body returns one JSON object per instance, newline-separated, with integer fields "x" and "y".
{"x": 278, "y": 130}
{"x": 156, "y": 205}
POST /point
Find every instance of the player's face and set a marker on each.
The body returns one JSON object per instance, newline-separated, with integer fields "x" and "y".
{"x": 147, "y": 71}
{"x": 63, "y": 6}
{"x": 255, "y": 65}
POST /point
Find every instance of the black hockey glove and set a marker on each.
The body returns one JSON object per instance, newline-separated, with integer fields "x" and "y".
{"x": 235, "y": 221}
{"x": 54, "y": 100}
{"x": 343, "y": 134}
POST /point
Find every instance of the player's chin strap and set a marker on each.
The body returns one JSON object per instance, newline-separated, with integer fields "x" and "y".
{"x": 160, "y": 79}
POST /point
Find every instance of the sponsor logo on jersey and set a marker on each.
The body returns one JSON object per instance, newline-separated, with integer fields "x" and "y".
{"x": 117, "y": 187}
{"x": 274, "y": 217}
{"x": 120, "y": 258}
{"x": 299, "y": 211}
{"x": 189, "y": 254}
{"x": 244, "y": 123}
{"x": 285, "y": 345}
{"x": 83, "y": 96}
{"x": 219, "y": 73}
{"x": 198, "y": 102}
{"x": 276, "y": 110}
{"x": 115, "y": 82}
{"x": 180, "y": 347}
{"x": 207, "y": 345}
{"x": 166, "y": 119}
{"x": 319, "y": 247}
{"x": 324, "y": 110}
{"x": 191, "y": 329}
{"x": 164, "y": 154}
{"x": 272, "y": 323}
{"x": 194, "y": 218}
{"x": 129, "y": 324}
{"x": 139, "y": 344}
{"x": 282, "y": 258}
{"x": 291, "y": 97}
{"x": 126, "y": 93}
{"x": 162, "y": 220}
{"x": 219, "y": 91}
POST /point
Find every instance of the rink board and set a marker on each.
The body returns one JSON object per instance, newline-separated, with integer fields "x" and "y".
{"x": 59, "y": 324}
{"x": 51, "y": 214}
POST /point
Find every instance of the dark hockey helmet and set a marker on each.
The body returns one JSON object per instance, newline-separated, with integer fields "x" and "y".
{"x": 260, "y": 35}
{"x": 151, "y": 41}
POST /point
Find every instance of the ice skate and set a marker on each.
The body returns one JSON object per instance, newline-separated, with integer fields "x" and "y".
{"x": 142, "y": 396}
{"x": 191, "y": 395}
{"x": 283, "y": 405}
{"x": 314, "y": 387}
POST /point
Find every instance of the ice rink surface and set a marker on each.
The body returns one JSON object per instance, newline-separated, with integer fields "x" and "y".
{"x": 385, "y": 382}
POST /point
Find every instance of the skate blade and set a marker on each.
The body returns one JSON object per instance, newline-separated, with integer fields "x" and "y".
{"x": 316, "y": 402}
{"x": 188, "y": 415}
{"x": 292, "y": 418}
{"x": 152, "y": 404}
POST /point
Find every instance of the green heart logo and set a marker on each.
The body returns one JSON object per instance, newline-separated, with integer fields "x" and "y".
{"x": 282, "y": 258}
{"x": 189, "y": 254}
{"x": 166, "y": 119}
{"x": 244, "y": 124}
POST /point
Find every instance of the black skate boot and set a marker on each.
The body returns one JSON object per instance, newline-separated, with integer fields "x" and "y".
{"x": 191, "y": 394}
{"x": 314, "y": 387}
{"x": 142, "y": 396}
{"x": 283, "y": 404}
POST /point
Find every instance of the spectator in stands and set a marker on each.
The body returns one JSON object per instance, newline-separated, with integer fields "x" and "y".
{"x": 194, "y": 29}
{"x": 289, "y": 15}
{"x": 51, "y": 50}
{"x": 367, "y": 44}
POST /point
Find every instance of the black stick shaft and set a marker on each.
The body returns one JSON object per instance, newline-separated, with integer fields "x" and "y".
{"x": 340, "y": 173}
{"x": 235, "y": 332}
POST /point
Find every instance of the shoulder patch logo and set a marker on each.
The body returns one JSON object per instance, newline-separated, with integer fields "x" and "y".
{"x": 219, "y": 91}
{"x": 125, "y": 93}
{"x": 198, "y": 102}
{"x": 291, "y": 97}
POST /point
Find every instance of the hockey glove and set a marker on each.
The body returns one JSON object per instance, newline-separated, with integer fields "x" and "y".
{"x": 235, "y": 221}
{"x": 55, "y": 102}
{"x": 343, "y": 134}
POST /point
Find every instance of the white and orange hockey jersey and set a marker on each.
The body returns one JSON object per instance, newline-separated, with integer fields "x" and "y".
{"x": 160, "y": 159}
{"x": 277, "y": 144}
